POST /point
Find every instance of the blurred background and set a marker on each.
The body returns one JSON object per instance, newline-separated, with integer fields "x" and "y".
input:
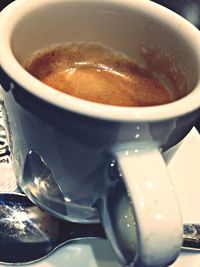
{"x": 190, "y": 9}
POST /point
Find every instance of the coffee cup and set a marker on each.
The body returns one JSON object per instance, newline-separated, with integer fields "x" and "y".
{"x": 72, "y": 157}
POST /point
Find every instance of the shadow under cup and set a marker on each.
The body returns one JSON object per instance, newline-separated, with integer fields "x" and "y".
{"x": 152, "y": 39}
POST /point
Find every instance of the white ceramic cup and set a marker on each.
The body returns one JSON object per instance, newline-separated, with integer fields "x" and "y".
{"x": 64, "y": 148}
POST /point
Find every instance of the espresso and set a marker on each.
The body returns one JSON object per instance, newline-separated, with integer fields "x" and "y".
{"x": 97, "y": 73}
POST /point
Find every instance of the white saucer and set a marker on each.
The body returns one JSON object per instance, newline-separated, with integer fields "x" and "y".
{"x": 184, "y": 166}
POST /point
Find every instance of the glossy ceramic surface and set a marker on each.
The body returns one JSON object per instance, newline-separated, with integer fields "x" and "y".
{"x": 97, "y": 253}
{"x": 55, "y": 137}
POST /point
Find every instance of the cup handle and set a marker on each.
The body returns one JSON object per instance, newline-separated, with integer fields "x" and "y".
{"x": 154, "y": 205}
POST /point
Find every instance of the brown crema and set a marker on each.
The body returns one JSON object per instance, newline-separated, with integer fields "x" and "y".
{"x": 97, "y": 73}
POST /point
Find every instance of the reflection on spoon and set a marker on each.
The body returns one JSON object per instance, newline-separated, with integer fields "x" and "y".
{"x": 191, "y": 236}
{"x": 28, "y": 234}
{"x": 42, "y": 188}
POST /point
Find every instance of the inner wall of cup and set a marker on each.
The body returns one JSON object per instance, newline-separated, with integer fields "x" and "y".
{"x": 133, "y": 31}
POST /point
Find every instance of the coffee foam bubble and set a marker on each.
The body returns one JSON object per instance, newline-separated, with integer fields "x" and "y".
{"x": 97, "y": 73}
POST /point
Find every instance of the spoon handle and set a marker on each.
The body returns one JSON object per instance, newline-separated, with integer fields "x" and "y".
{"x": 69, "y": 230}
{"x": 191, "y": 236}
{"x": 191, "y": 233}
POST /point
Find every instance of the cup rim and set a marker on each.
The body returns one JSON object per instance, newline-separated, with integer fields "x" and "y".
{"x": 29, "y": 83}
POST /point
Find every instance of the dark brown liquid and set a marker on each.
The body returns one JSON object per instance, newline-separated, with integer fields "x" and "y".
{"x": 97, "y": 73}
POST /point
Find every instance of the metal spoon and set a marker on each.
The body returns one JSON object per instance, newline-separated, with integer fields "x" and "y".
{"x": 32, "y": 234}
{"x": 191, "y": 236}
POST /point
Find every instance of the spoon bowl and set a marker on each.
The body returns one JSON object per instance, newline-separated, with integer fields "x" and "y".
{"x": 29, "y": 234}
{"x": 32, "y": 234}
